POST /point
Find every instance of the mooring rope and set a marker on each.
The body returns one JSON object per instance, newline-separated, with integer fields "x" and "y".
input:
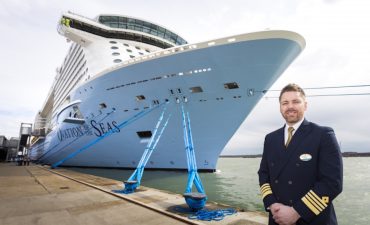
{"x": 121, "y": 125}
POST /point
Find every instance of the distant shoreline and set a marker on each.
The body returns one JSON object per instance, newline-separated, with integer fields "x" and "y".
{"x": 344, "y": 154}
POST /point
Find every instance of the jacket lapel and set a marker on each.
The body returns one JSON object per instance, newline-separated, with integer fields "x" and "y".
{"x": 287, "y": 153}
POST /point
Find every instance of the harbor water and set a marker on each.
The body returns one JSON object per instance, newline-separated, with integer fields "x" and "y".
{"x": 236, "y": 184}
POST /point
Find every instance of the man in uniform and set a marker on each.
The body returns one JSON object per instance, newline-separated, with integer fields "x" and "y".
{"x": 301, "y": 170}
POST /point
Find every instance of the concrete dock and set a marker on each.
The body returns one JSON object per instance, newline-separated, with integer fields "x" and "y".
{"x": 37, "y": 195}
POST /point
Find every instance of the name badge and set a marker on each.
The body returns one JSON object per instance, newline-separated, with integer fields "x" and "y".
{"x": 305, "y": 157}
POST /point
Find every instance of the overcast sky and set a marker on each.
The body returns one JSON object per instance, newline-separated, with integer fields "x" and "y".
{"x": 337, "y": 54}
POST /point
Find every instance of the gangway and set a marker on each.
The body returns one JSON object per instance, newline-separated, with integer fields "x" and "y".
{"x": 25, "y": 133}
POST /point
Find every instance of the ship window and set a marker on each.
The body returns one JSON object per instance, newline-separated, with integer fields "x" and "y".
{"x": 196, "y": 89}
{"x": 232, "y": 85}
{"x": 76, "y": 112}
{"x": 140, "y": 97}
{"x": 114, "y": 47}
{"x": 128, "y": 50}
{"x": 126, "y": 45}
{"x": 131, "y": 56}
{"x": 115, "y": 53}
{"x": 155, "y": 102}
{"x": 113, "y": 42}
{"x": 103, "y": 105}
{"x": 117, "y": 60}
{"x": 144, "y": 134}
{"x": 147, "y": 50}
{"x": 137, "y": 47}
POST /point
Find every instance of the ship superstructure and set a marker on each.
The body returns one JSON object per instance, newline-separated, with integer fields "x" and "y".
{"x": 118, "y": 66}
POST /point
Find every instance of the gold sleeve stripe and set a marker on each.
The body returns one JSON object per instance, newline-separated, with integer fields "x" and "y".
{"x": 310, "y": 206}
{"x": 318, "y": 198}
{"x": 265, "y": 187}
{"x": 266, "y": 193}
{"x": 315, "y": 201}
{"x": 265, "y": 190}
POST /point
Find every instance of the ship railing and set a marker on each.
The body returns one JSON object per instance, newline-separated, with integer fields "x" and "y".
{"x": 40, "y": 122}
{"x": 261, "y": 35}
{"x": 172, "y": 51}
{"x": 39, "y": 132}
{"x": 76, "y": 14}
{"x": 61, "y": 29}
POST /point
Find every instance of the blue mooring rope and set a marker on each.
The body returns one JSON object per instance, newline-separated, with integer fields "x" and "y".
{"x": 216, "y": 215}
{"x": 135, "y": 179}
{"x": 71, "y": 142}
{"x": 195, "y": 201}
{"x": 121, "y": 125}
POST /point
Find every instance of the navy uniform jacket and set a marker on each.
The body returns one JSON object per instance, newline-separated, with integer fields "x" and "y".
{"x": 306, "y": 175}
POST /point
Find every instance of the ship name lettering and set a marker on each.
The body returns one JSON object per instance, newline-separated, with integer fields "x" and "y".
{"x": 72, "y": 132}
{"x": 103, "y": 128}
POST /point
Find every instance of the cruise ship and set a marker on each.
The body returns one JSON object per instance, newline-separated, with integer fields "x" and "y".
{"x": 122, "y": 73}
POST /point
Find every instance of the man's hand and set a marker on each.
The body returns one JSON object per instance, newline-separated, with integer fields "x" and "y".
{"x": 284, "y": 215}
{"x": 274, "y": 208}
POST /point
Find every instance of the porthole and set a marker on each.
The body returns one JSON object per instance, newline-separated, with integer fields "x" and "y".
{"x": 131, "y": 56}
{"x": 115, "y": 53}
{"x": 232, "y": 85}
{"x": 128, "y": 50}
{"x": 140, "y": 97}
{"x": 117, "y": 60}
{"x": 103, "y": 105}
{"x": 144, "y": 134}
{"x": 114, "y": 47}
{"x": 196, "y": 89}
{"x": 113, "y": 42}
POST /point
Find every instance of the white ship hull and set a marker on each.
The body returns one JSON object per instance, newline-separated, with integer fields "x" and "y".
{"x": 252, "y": 61}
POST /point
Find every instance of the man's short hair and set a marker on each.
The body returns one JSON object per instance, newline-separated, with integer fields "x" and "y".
{"x": 292, "y": 87}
